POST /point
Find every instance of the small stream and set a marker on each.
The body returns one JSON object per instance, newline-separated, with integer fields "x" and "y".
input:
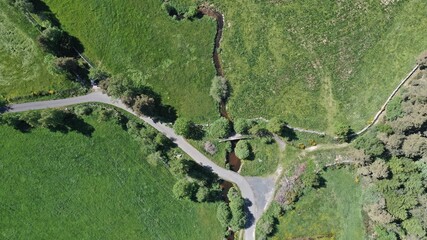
{"x": 231, "y": 159}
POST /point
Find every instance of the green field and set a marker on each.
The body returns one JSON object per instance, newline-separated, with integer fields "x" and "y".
{"x": 318, "y": 62}
{"x": 140, "y": 39}
{"x": 22, "y": 67}
{"x": 70, "y": 186}
{"x": 265, "y": 159}
{"x": 332, "y": 212}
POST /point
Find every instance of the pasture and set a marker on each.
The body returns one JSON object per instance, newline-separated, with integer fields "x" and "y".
{"x": 140, "y": 39}
{"x": 318, "y": 63}
{"x": 60, "y": 186}
{"x": 23, "y": 70}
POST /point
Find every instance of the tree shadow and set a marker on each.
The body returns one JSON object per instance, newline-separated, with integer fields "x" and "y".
{"x": 289, "y": 134}
{"x": 45, "y": 13}
{"x": 74, "y": 123}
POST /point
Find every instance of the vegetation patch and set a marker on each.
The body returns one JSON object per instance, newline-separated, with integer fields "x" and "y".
{"x": 333, "y": 211}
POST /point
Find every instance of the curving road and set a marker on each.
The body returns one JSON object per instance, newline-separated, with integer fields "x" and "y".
{"x": 98, "y": 96}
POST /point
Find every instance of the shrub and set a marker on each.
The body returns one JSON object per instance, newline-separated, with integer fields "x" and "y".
{"x": 221, "y": 128}
{"x": 220, "y": 89}
{"x": 68, "y": 66}
{"x": 191, "y": 12}
{"x": 237, "y": 204}
{"x": 243, "y": 150}
{"x": 155, "y": 158}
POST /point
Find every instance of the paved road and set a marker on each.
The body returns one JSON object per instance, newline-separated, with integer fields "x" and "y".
{"x": 98, "y": 96}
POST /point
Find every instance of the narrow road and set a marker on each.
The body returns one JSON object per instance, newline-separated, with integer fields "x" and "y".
{"x": 98, "y": 96}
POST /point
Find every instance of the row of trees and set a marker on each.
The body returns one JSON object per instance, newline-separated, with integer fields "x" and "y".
{"x": 232, "y": 216}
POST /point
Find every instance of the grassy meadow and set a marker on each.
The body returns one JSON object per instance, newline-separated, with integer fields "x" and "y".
{"x": 22, "y": 67}
{"x": 317, "y": 62}
{"x": 140, "y": 39}
{"x": 70, "y": 186}
{"x": 331, "y": 212}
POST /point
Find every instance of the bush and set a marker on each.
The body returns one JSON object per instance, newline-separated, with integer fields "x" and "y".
{"x": 192, "y": 12}
{"x": 237, "y": 204}
{"x": 243, "y": 150}
{"x": 31, "y": 118}
{"x": 68, "y": 66}
{"x": 221, "y": 128}
{"x": 220, "y": 89}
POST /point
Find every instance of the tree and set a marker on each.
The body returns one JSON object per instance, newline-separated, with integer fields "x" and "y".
{"x": 223, "y": 214}
{"x": 184, "y": 127}
{"x": 379, "y": 169}
{"x": 221, "y": 128}
{"x": 183, "y": 189}
{"x": 52, "y": 118}
{"x": 394, "y": 109}
{"x": 52, "y": 40}
{"x": 144, "y": 105}
{"x": 344, "y": 132}
{"x": 370, "y": 144}
{"x": 220, "y": 89}
{"x": 241, "y": 126}
{"x": 276, "y": 125}
{"x": 415, "y": 146}
{"x": 243, "y": 149}
{"x": 414, "y": 227}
